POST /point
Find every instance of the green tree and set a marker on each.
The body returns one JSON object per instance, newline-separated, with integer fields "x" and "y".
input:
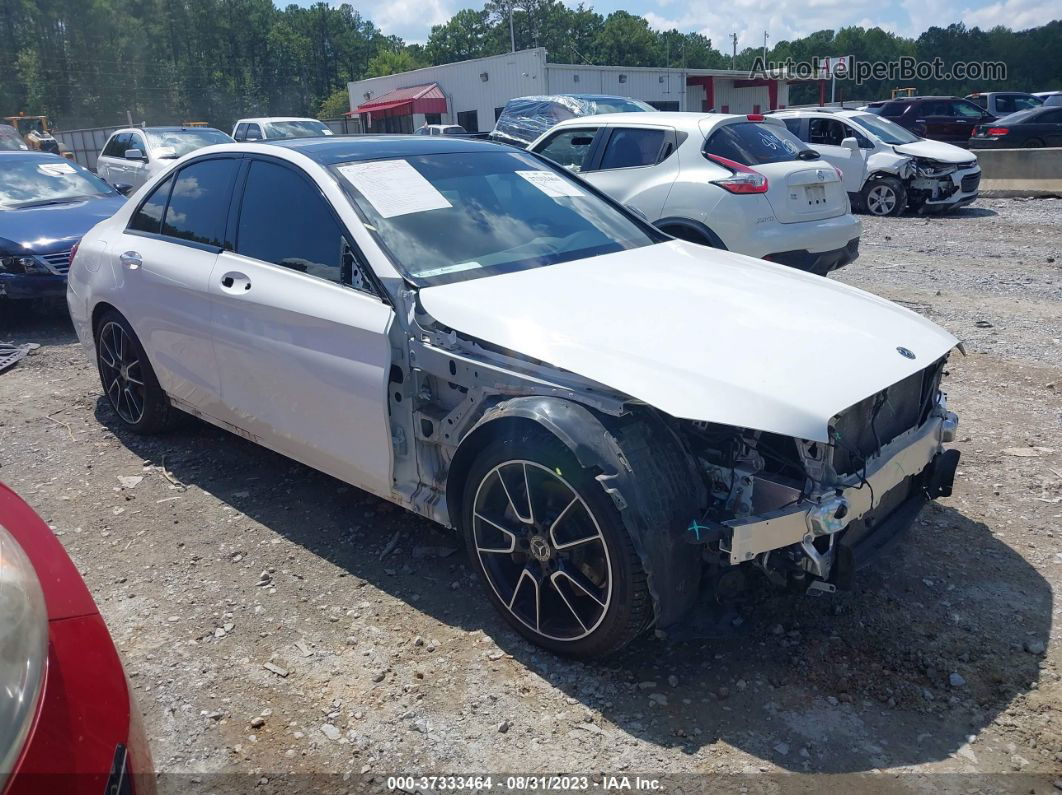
{"x": 389, "y": 62}
{"x": 465, "y": 35}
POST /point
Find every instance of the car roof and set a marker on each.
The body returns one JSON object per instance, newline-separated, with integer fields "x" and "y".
{"x": 162, "y": 129}
{"x": 276, "y": 118}
{"x": 687, "y": 120}
{"x": 328, "y": 150}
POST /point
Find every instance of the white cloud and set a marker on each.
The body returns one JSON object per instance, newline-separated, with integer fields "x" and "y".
{"x": 410, "y": 19}
{"x": 1015, "y": 14}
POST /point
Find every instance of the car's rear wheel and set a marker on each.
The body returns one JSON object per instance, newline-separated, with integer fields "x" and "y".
{"x": 128, "y": 380}
{"x": 556, "y": 559}
{"x": 1033, "y": 143}
{"x": 884, "y": 196}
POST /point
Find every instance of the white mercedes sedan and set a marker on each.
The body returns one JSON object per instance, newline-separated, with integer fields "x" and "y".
{"x": 616, "y": 422}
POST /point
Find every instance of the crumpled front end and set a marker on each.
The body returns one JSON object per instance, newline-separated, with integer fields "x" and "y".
{"x": 934, "y": 183}
{"x": 811, "y": 512}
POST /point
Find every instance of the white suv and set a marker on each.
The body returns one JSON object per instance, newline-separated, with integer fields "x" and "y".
{"x": 901, "y": 170}
{"x": 133, "y": 155}
{"x": 277, "y": 127}
{"x": 740, "y": 183}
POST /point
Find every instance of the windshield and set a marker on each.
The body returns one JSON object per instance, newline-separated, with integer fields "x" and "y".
{"x": 604, "y": 105}
{"x": 35, "y": 181}
{"x": 884, "y": 130}
{"x": 457, "y": 216}
{"x": 10, "y": 140}
{"x": 177, "y": 143}
{"x": 1020, "y": 117}
{"x": 304, "y": 128}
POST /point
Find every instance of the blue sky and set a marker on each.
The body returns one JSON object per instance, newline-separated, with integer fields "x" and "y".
{"x": 782, "y": 19}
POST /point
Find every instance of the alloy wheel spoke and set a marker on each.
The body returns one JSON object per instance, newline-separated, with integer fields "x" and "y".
{"x": 564, "y": 598}
{"x": 509, "y": 533}
{"x": 509, "y": 496}
{"x": 527, "y": 576}
{"x": 576, "y": 579}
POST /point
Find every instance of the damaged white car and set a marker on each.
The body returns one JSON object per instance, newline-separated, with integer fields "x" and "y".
{"x": 887, "y": 168}
{"x": 615, "y": 421}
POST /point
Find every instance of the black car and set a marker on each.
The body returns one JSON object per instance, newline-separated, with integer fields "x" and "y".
{"x": 949, "y": 119}
{"x": 1027, "y": 128}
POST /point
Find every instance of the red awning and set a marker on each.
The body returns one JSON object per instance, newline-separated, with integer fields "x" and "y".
{"x": 405, "y": 101}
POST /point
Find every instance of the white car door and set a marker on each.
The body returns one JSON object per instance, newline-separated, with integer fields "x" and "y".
{"x": 165, "y": 258}
{"x": 825, "y": 136}
{"x": 634, "y": 166}
{"x": 110, "y": 165}
{"x": 300, "y": 335}
{"x": 137, "y": 170}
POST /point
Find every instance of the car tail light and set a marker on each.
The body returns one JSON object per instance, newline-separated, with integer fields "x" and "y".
{"x": 998, "y": 130}
{"x": 755, "y": 117}
{"x": 743, "y": 179}
{"x": 24, "y": 643}
{"x": 73, "y": 251}
{"x": 840, "y": 174}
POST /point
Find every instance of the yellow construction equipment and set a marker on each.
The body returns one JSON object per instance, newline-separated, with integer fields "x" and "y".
{"x": 36, "y": 131}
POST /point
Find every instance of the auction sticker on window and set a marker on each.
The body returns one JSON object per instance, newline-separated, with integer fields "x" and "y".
{"x": 553, "y": 185}
{"x": 56, "y": 169}
{"x": 394, "y": 187}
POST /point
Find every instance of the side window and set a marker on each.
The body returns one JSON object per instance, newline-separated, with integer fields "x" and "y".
{"x": 1005, "y": 104}
{"x": 568, "y": 148}
{"x": 981, "y": 101}
{"x": 199, "y": 202}
{"x": 629, "y": 147}
{"x": 864, "y": 142}
{"x": 149, "y": 217}
{"x": 965, "y": 110}
{"x": 285, "y": 220}
{"x": 825, "y": 131}
{"x": 794, "y": 126}
{"x": 241, "y": 132}
{"x": 136, "y": 141}
{"x": 110, "y": 147}
{"x": 254, "y": 132}
{"x": 118, "y": 145}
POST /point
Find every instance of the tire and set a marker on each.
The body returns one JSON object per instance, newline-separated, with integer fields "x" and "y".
{"x": 128, "y": 381}
{"x": 885, "y": 196}
{"x": 562, "y": 570}
{"x": 1033, "y": 143}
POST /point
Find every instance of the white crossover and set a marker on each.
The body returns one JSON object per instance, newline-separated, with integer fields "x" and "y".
{"x": 273, "y": 128}
{"x": 133, "y": 155}
{"x": 736, "y": 182}
{"x": 616, "y": 421}
{"x": 887, "y": 168}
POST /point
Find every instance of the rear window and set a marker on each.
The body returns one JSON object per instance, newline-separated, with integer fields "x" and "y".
{"x": 751, "y": 144}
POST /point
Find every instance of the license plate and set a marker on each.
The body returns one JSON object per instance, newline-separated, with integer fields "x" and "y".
{"x": 815, "y": 194}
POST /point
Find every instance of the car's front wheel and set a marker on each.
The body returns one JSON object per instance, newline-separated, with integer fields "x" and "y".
{"x": 551, "y": 548}
{"x": 885, "y": 196}
{"x": 128, "y": 380}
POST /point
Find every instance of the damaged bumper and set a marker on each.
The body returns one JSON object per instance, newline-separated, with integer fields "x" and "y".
{"x": 955, "y": 187}
{"x": 914, "y": 463}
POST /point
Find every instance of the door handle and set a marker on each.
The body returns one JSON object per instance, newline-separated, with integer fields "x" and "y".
{"x": 234, "y": 280}
{"x": 131, "y": 260}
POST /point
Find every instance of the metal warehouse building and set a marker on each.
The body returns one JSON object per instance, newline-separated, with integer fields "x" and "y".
{"x": 473, "y": 93}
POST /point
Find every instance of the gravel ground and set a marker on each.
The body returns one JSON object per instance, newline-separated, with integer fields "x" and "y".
{"x": 275, "y": 622}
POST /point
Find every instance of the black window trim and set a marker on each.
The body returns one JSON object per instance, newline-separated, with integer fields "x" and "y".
{"x": 670, "y": 137}
{"x": 236, "y": 209}
{"x": 175, "y": 176}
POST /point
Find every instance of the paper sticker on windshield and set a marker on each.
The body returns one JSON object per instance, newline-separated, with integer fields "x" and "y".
{"x": 56, "y": 169}
{"x": 394, "y": 187}
{"x": 551, "y": 184}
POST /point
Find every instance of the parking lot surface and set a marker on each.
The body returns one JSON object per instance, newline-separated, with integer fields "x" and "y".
{"x": 275, "y": 621}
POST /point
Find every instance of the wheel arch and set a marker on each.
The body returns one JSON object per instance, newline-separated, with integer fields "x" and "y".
{"x": 691, "y": 225}
{"x": 98, "y": 311}
{"x": 640, "y": 465}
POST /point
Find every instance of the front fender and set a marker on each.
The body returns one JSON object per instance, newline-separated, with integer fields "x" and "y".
{"x": 643, "y": 468}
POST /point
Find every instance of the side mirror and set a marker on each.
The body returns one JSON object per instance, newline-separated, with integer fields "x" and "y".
{"x": 123, "y": 188}
{"x": 851, "y": 144}
{"x": 134, "y": 154}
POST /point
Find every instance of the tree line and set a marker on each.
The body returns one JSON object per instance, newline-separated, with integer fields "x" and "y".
{"x": 87, "y": 62}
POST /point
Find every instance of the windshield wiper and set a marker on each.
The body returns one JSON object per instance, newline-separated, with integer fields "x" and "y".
{"x": 49, "y": 202}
